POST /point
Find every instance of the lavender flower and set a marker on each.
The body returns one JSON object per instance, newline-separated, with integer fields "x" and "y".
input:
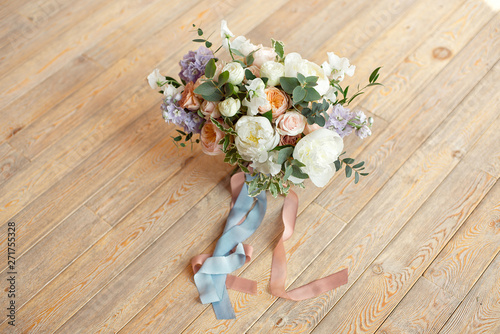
{"x": 362, "y": 124}
{"x": 339, "y": 121}
{"x": 173, "y": 113}
{"x": 193, "y": 64}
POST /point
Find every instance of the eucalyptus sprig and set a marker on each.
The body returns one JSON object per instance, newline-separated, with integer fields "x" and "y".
{"x": 187, "y": 137}
{"x": 350, "y": 167}
{"x": 301, "y": 88}
{"x": 199, "y": 31}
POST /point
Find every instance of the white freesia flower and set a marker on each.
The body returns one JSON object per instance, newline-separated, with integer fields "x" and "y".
{"x": 170, "y": 90}
{"x": 155, "y": 79}
{"x": 256, "y": 96}
{"x": 330, "y": 94}
{"x": 236, "y": 72}
{"x": 255, "y": 138}
{"x": 225, "y": 33}
{"x": 318, "y": 151}
{"x": 243, "y": 45}
{"x": 295, "y": 64}
{"x": 337, "y": 67}
{"x": 273, "y": 71}
{"x": 269, "y": 166}
{"x": 229, "y": 107}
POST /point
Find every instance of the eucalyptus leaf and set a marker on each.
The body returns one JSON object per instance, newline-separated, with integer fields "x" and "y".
{"x": 284, "y": 154}
{"x": 268, "y": 115}
{"x": 289, "y": 83}
{"x": 312, "y": 94}
{"x": 299, "y": 93}
{"x": 348, "y": 171}
{"x": 358, "y": 165}
{"x": 222, "y": 79}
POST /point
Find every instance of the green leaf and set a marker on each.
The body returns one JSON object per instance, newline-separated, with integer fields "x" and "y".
{"x": 301, "y": 78}
{"x": 199, "y": 40}
{"x": 320, "y": 120}
{"x": 364, "y": 174}
{"x": 279, "y": 48}
{"x": 216, "y": 96}
{"x": 206, "y": 88}
{"x": 373, "y": 76}
{"x": 359, "y": 164}
{"x": 284, "y": 154}
{"x": 348, "y": 171}
{"x": 226, "y": 143}
{"x": 210, "y": 68}
{"x": 298, "y": 173}
{"x": 200, "y": 32}
{"x": 178, "y": 138}
{"x": 348, "y": 160}
{"x": 222, "y": 79}
{"x": 299, "y": 93}
{"x": 229, "y": 88}
{"x": 208, "y": 44}
{"x": 288, "y": 172}
{"x": 288, "y": 84}
{"x": 273, "y": 189}
{"x": 189, "y": 136}
{"x": 356, "y": 177}
{"x": 181, "y": 132}
{"x": 337, "y": 165}
{"x": 249, "y": 75}
{"x": 237, "y": 52}
{"x": 244, "y": 168}
{"x": 311, "y": 79}
{"x": 240, "y": 62}
{"x": 250, "y": 58}
{"x": 268, "y": 115}
{"x": 183, "y": 145}
{"x": 312, "y": 94}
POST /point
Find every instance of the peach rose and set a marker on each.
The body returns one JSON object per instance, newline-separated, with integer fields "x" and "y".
{"x": 189, "y": 99}
{"x": 210, "y": 109}
{"x": 255, "y": 71}
{"x": 289, "y": 140}
{"x": 209, "y": 138}
{"x": 262, "y": 55}
{"x": 290, "y": 123}
{"x": 278, "y": 102}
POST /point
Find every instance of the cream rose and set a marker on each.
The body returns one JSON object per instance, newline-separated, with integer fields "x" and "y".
{"x": 295, "y": 64}
{"x": 229, "y": 107}
{"x": 318, "y": 151}
{"x": 209, "y": 138}
{"x": 273, "y": 71}
{"x": 277, "y": 101}
{"x": 255, "y": 138}
{"x": 290, "y": 123}
{"x": 236, "y": 72}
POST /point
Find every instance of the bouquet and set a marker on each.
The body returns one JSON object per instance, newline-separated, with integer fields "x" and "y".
{"x": 276, "y": 116}
{"x": 279, "y": 118}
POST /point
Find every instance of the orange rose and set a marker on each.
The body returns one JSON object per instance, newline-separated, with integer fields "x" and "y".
{"x": 209, "y": 138}
{"x": 189, "y": 99}
{"x": 278, "y": 102}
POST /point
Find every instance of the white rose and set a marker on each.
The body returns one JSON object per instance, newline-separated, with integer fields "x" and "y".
{"x": 318, "y": 151}
{"x": 155, "y": 79}
{"x": 295, "y": 64}
{"x": 255, "y": 137}
{"x": 269, "y": 166}
{"x": 169, "y": 90}
{"x": 243, "y": 45}
{"x": 229, "y": 107}
{"x": 256, "y": 96}
{"x": 337, "y": 67}
{"x": 236, "y": 72}
{"x": 273, "y": 71}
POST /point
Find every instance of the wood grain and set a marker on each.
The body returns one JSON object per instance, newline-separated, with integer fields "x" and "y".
{"x": 10, "y": 161}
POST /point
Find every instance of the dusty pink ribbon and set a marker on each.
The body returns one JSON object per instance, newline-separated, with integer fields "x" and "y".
{"x": 278, "y": 269}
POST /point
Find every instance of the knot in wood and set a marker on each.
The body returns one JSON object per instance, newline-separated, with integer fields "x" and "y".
{"x": 441, "y": 53}
{"x": 377, "y": 269}
{"x": 281, "y": 321}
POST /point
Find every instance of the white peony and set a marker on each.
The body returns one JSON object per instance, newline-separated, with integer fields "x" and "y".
{"x": 269, "y": 166}
{"x": 229, "y": 107}
{"x": 337, "y": 67}
{"x": 236, "y": 72}
{"x": 255, "y": 138}
{"x": 256, "y": 96}
{"x": 273, "y": 71}
{"x": 243, "y": 45}
{"x": 155, "y": 79}
{"x": 318, "y": 151}
{"x": 295, "y": 64}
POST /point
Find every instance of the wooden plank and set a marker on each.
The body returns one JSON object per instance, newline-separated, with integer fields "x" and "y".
{"x": 51, "y": 255}
{"x": 66, "y": 293}
{"x": 315, "y": 230}
{"x": 410, "y": 76}
{"x": 37, "y": 101}
{"x": 480, "y": 311}
{"x": 379, "y": 289}
{"x": 471, "y": 250}
{"x": 427, "y": 109}
{"x": 423, "y": 310}
{"x": 10, "y": 161}
{"x": 391, "y": 209}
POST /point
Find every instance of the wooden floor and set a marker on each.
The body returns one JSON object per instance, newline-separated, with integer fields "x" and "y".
{"x": 108, "y": 212}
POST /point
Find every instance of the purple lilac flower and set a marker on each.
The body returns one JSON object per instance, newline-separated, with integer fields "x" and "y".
{"x": 338, "y": 120}
{"x": 362, "y": 124}
{"x": 173, "y": 113}
{"x": 193, "y": 64}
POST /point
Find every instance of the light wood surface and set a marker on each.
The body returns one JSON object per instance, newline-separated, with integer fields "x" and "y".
{"x": 109, "y": 212}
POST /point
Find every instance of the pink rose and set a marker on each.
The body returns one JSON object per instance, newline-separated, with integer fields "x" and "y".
{"x": 189, "y": 99}
{"x": 255, "y": 71}
{"x": 290, "y": 123}
{"x": 278, "y": 102}
{"x": 210, "y": 109}
{"x": 289, "y": 140}
{"x": 210, "y": 137}
{"x": 263, "y": 54}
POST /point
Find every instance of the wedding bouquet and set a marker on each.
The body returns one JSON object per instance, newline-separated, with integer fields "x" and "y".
{"x": 276, "y": 116}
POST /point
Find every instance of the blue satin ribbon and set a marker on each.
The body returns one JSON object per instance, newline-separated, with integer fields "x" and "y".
{"x": 210, "y": 280}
